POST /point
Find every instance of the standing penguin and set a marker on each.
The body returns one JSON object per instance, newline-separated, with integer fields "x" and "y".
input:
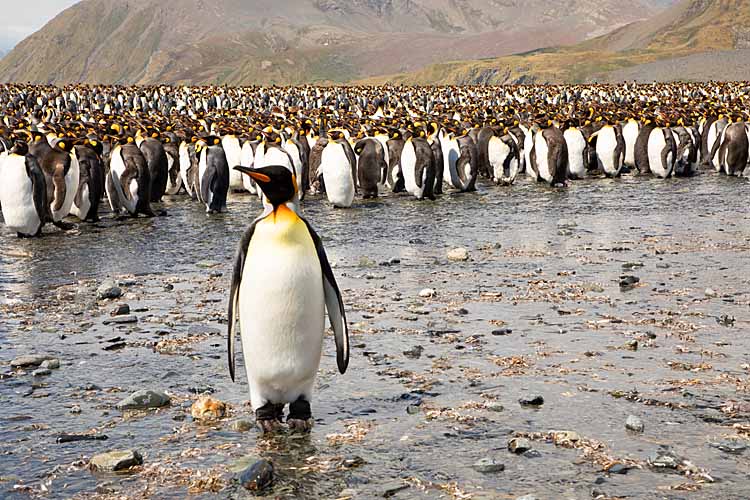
{"x": 504, "y": 159}
{"x": 23, "y": 192}
{"x": 549, "y": 155}
{"x": 233, "y": 152}
{"x": 171, "y": 148}
{"x": 640, "y": 152}
{"x": 610, "y": 150}
{"x": 156, "y": 159}
{"x": 577, "y": 152}
{"x": 213, "y": 174}
{"x": 282, "y": 285}
{"x": 91, "y": 181}
{"x": 662, "y": 152}
{"x": 370, "y": 165}
{"x": 337, "y": 172}
{"x": 128, "y": 183}
{"x": 418, "y": 165}
{"x": 630, "y": 130}
{"x": 61, "y": 173}
{"x": 733, "y": 152}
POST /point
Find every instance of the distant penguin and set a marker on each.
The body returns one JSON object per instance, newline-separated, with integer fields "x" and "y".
{"x": 188, "y": 168}
{"x": 482, "y": 140}
{"x": 91, "y": 181}
{"x": 156, "y": 159}
{"x": 282, "y": 285}
{"x": 662, "y": 152}
{"x": 171, "y": 148}
{"x": 630, "y": 131}
{"x": 713, "y": 134}
{"x": 370, "y": 165}
{"x": 640, "y": 151}
{"x": 549, "y": 156}
{"x": 577, "y": 152}
{"x": 418, "y": 166}
{"x": 128, "y": 183}
{"x": 437, "y": 154}
{"x": 295, "y": 151}
{"x": 23, "y": 192}
{"x": 335, "y": 168}
{"x": 213, "y": 174}
{"x": 504, "y": 159}
{"x": 528, "y": 151}
{"x": 686, "y": 163}
{"x": 233, "y": 152}
{"x": 733, "y": 152}
{"x": 610, "y": 150}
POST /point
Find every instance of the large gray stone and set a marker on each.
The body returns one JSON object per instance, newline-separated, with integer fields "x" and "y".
{"x": 115, "y": 460}
{"x": 144, "y": 399}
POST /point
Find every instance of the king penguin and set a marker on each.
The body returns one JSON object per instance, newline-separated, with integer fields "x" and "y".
{"x": 23, "y": 192}
{"x": 282, "y": 285}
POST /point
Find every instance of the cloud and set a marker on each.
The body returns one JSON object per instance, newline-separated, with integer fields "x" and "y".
{"x": 29, "y": 17}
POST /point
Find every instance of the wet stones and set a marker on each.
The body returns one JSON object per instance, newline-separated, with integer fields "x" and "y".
{"x": 519, "y": 445}
{"x": 415, "y": 352}
{"x": 207, "y": 264}
{"x": 41, "y": 372}
{"x": 618, "y": 469}
{"x": 427, "y": 293}
{"x": 628, "y": 282}
{"x": 241, "y": 425}
{"x": 732, "y": 446}
{"x": 208, "y": 408}
{"x": 634, "y": 424}
{"x": 115, "y": 460}
{"x": 710, "y": 293}
{"x": 144, "y": 399}
{"x": 459, "y": 254}
{"x": 391, "y": 488}
{"x": 108, "y": 290}
{"x": 121, "y": 320}
{"x": 51, "y": 364}
{"x": 531, "y": 400}
{"x": 501, "y": 332}
{"x": 258, "y": 476}
{"x": 488, "y": 466}
{"x": 631, "y": 265}
{"x": 664, "y": 459}
{"x": 30, "y": 360}
{"x": 494, "y": 406}
{"x": 120, "y": 310}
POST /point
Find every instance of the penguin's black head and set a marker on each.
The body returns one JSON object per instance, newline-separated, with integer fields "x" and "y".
{"x": 276, "y": 182}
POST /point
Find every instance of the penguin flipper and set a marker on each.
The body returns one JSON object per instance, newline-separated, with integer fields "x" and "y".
{"x": 334, "y": 303}
{"x": 234, "y": 294}
{"x": 39, "y": 190}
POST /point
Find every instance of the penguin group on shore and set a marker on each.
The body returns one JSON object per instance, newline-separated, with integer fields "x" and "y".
{"x": 63, "y": 151}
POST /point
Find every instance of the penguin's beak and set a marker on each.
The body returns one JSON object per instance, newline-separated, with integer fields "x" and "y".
{"x": 252, "y": 173}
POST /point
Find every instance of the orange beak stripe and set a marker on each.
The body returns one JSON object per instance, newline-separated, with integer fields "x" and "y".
{"x": 259, "y": 177}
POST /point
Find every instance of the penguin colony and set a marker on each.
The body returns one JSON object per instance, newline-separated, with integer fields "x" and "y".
{"x": 64, "y": 150}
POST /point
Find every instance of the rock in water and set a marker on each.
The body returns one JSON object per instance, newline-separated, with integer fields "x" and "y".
{"x": 258, "y": 476}
{"x": 634, "y": 424}
{"x": 664, "y": 459}
{"x": 488, "y": 466}
{"x": 207, "y": 407}
{"x": 115, "y": 460}
{"x": 108, "y": 290}
{"x": 242, "y": 425}
{"x": 51, "y": 364}
{"x": 458, "y": 254}
{"x": 29, "y": 360}
{"x": 519, "y": 445}
{"x": 144, "y": 399}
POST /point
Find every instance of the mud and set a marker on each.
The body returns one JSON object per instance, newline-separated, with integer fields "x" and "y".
{"x": 434, "y": 382}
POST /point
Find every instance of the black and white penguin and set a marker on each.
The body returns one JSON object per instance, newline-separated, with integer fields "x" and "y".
{"x": 640, "y": 152}
{"x": 61, "y": 172}
{"x": 128, "y": 183}
{"x": 158, "y": 164}
{"x": 713, "y": 134}
{"x": 630, "y": 130}
{"x": 213, "y": 174}
{"x": 504, "y": 159}
{"x": 733, "y": 153}
{"x": 338, "y": 170}
{"x": 459, "y": 161}
{"x": 418, "y": 166}
{"x": 171, "y": 148}
{"x": 662, "y": 152}
{"x": 23, "y": 192}
{"x": 394, "y": 179}
{"x": 247, "y": 159}
{"x": 296, "y": 152}
{"x": 91, "y": 181}
{"x": 370, "y": 165}
{"x": 282, "y": 284}
{"x": 233, "y": 152}
{"x": 437, "y": 153}
{"x": 549, "y": 155}
{"x": 686, "y": 163}
{"x": 577, "y": 152}
{"x": 610, "y": 150}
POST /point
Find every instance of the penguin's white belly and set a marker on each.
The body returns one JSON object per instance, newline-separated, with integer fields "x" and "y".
{"x": 71, "y": 187}
{"x": 409, "y": 164}
{"x": 337, "y": 175}
{"x": 17, "y": 195}
{"x": 656, "y": 144}
{"x": 281, "y": 303}
{"x": 606, "y": 143}
{"x": 293, "y": 151}
{"x": 184, "y": 166}
{"x": 172, "y": 187}
{"x": 713, "y": 136}
{"x": 630, "y": 135}
{"x": 576, "y": 144}
{"x": 528, "y": 145}
{"x": 542, "y": 157}
{"x": 83, "y": 210}
{"x": 116, "y": 170}
{"x": 450, "y": 158}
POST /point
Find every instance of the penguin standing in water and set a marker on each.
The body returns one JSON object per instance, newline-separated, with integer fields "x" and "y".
{"x": 733, "y": 152}
{"x": 158, "y": 164}
{"x": 418, "y": 166}
{"x": 630, "y": 130}
{"x": 640, "y": 152}
{"x": 662, "y": 150}
{"x": 282, "y": 285}
{"x": 504, "y": 159}
{"x": 549, "y": 155}
{"x": 395, "y": 177}
{"x": 213, "y": 174}
{"x": 233, "y": 152}
{"x": 370, "y": 165}
{"x": 577, "y": 151}
{"x": 23, "y": 192}
{"x": 128, "y": 183}
{"x": 91, "y": 181}
{"x": 610, "y": 150}
{"x": 171, "y": 148}
{"x": 337, "y": 171}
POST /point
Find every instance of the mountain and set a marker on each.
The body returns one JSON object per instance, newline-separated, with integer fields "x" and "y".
{"x": 295, "y": 41}
{"x": 693, "y": 39}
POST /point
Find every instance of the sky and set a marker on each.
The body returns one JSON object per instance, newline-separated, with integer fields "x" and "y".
{"x": 23, "y": 17}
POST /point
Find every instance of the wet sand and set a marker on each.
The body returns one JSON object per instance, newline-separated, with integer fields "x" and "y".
{"x": 434, "y": 381}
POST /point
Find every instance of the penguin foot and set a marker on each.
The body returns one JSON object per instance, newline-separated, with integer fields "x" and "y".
{"x": 65, "y": 226}
{"x": 299, "y": 425}
{"x": 269, "y": 426}
{"x": 269, "y": 417}
{"x": 300, "y": 416}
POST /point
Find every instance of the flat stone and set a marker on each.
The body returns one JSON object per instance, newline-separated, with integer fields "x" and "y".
{"x": 242, "y": 425}
{"x": 458, "y": 254}
{"x": 144, "y": 399}
{"x": 618, "y": 469}
{"x": 488, "y": 466}
{"x": 29, "y": 360}
{"x": 207, "y": 264}
{"x": 41, "y": 372}
{"x": 566, "y": 223}
{"x": 730, "y": 446}
{"x": 121, "y": 320}
{"x": 115, "y": 460}
{"x": 51, "y": 364}
{"x": 209, "y": 408}
{"x": 527, "y": 497}
{"x": 108, "y": 290}
{"x": 494, "y": 406}
{"x": 633, "y": 423}
{"x": 120, "y": 310}
{"x": 519, "y": 445}
{"x": 531, "y": 400}
{"x": 664, "y": 459}
{"x": 391, "y": 488}
{"x": 258, "y": 476}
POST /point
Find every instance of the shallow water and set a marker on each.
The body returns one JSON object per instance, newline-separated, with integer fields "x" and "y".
{"x": 555, "y": 287}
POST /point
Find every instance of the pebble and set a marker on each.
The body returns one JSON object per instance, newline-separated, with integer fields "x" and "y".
{"x": 531, "y": 400}
{"x": 144, "y": 399}
{"x": 494, "y": 406}
{"x": 519, "y": 445}
{"x": 348, "y": 493}
{"x": 352, "y": 462}
{"x": 115, "y": 460}
{"x": 566, "y": 223}
{"x": 632, "y": 265}
{"x": 628, "y": 282}
{"x": 488, "y": 466}
{"x": 730, "y": 446}
{"x": 632, "y": 345}
{"x": 242, "y": 425}
{"x": 664, "y": 459}
{"x": 502, "y": 332}
{"x": 207, "y": 407}
{"x": 633, "y": 423}
{"x": 41, "y": 372}
{"x": 710, "y": 293}
{"x": 108, "y": 290}
{"x": 415, "y": 352}
{"x": 52, "y": 364}
{"x": 427, "y": 293}
{"x": 458, "y": 254}
{"x": 618, "y": 469}
{"x": 258, "y": 476}
{"x": 527, "y": 497}
{"x": 121, "y": 320}
{"x": 29, "y": 360}
{"x": 120, "y": 310}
